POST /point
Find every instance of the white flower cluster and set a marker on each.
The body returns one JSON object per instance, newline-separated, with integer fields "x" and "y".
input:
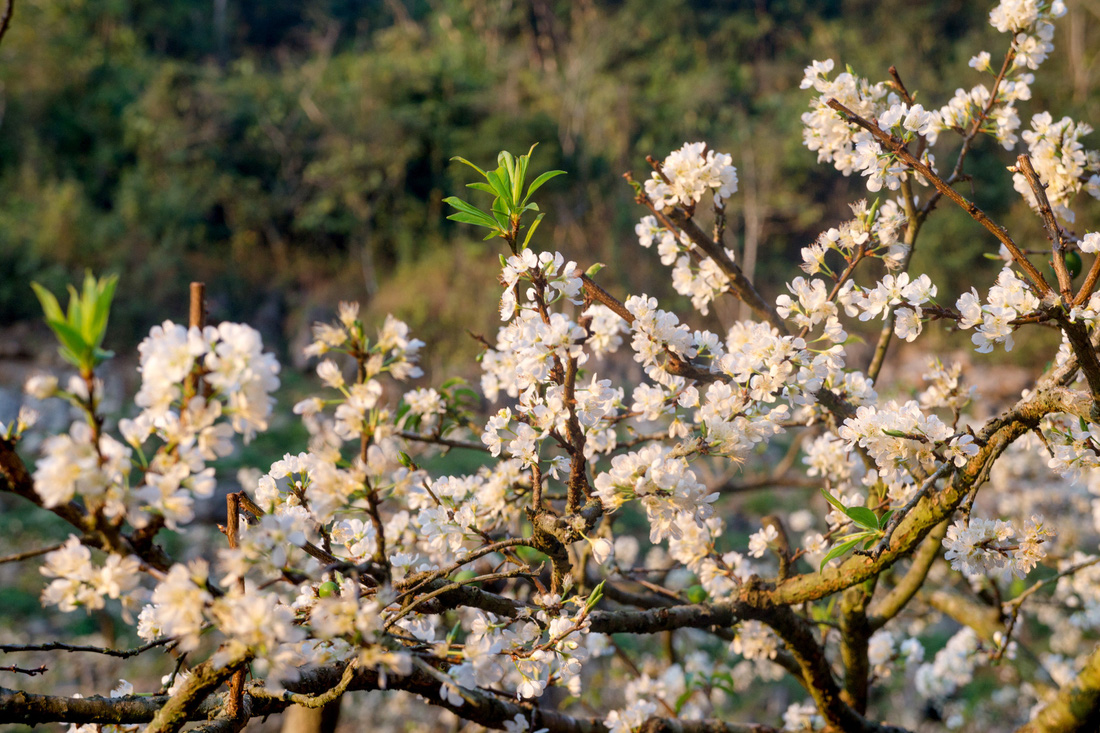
{"x": 658, "y": 333}
{"x": 694, "y": 547}
{"x": 901, "y": 438}
{"x": 1074, "y": 448}
{"x": 953, "y": 666}
{"x": 889, "y": 292}
{"x": 754, "y": 640}
{"x": 874, "y": 231}
{"x": 801, "y": 717}
{"x": 552, "y": 645}
{"x": 75, "y": 464}
{"x": 1062, "y": 162}
{"x": 427, "y": 406}
{"x": 831, "y": 458}
{"x": 824, "y": 131}
{"x": 688, "y": 174}
{"x": 562, "y": 278}
{"x": 79, "y": 584}
{"x": 1030, "y": 23}
{"x": 945, "y": 388}
{"x": 664, "y": 484}
{"x": 1002, "y": 121}
{"x": 526, "y": 350}
{"x": 1008, "y": 300}
{"x": 237, "y": 380}
{"x": 685, "y": 176}
{"x": 981, "y": 545}
{"x": 230, "y": 360}
{"x": 605, "y": 330}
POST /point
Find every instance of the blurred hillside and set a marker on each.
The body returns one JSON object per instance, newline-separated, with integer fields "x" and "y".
{"x": 291, "y": 153}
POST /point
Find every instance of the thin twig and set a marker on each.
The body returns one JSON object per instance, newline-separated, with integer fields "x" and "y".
{"x": 446, "y": 442}
{"x": 897, "y": 516}
{"x": 234, "y": 709}
{"x": 54, "y": 646}
{"x": 30, "y": 553}
{"x": 30, "y": 672}
{"x": 519, "y": 572}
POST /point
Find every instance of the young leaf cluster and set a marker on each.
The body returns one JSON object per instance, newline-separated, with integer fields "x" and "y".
{"x": 81, "y": 329}
{"x": 871, "y": 527}
{"x": 510, "y": 201}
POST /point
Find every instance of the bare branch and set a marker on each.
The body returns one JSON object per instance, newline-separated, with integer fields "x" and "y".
{"x": 54, "y": 646}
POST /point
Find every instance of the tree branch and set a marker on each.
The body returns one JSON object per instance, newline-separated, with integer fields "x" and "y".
{"x": 899, "y": 149}
{"x": 1076, "y": 706}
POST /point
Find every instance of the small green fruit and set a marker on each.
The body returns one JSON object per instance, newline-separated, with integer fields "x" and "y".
{"x": 1073, "y": 263}
{"x": 697, "y": 594}
{"x": 328, "y": 589}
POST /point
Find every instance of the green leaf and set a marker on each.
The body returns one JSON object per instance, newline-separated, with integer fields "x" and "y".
{"x": 863, "y": 516}
{"x": 885, "y": 518}
{"x": 50, "y": 306}
{"x": 501, "y": 214}
{"x": 501, "y": 189}
{"x": 531, "y": 231}
{"x": 69, "y": 337}
{"x": 842, "y": 548}
{"x": 521, "y": 174}
{"x": 482, "y": 187}
{"x": 538, "y": 182}
{"x": 460, "y": 159}
{"x": 480, "y": 221}
{"x": 595, "y": 596}
{"x": 834, "y": 501}
{"x": 101, "y": 310}
{"x": 594, "y": 269}
{"x": 507, "y": 161}
{"x": 463, "y": 206}
{"x": 74, "y": 316}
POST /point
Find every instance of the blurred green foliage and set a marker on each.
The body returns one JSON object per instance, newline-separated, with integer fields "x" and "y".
{"x": 291, "y": 153}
